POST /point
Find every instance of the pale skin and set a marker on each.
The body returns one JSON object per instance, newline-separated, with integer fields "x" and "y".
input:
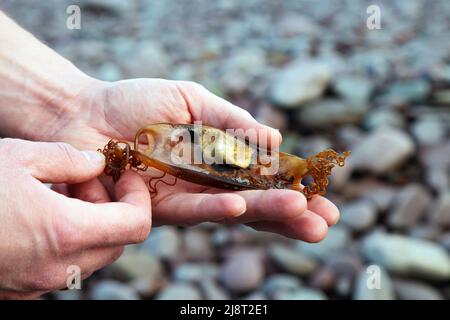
{"x": 84, "y": 219}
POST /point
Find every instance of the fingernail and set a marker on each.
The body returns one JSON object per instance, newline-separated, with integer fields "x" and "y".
{"x": 94, "y": 157}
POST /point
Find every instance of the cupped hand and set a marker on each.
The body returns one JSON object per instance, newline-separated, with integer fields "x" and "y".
{"x": 43, "y": 232}
{"x": 105, "y": 111}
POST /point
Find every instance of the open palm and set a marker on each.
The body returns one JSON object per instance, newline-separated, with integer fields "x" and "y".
{"x": 117, "y": 110}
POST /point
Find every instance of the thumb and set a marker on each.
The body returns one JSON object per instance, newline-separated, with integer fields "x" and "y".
{"x": 60, "y": 162}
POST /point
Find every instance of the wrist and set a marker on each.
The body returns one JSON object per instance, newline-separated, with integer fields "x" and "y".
{"x": 39, "y": 88}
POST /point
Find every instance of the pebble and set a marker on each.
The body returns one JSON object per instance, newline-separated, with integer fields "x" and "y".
{"x": 415, "y": 90}
{"x": 179, "y": 291}
{"x": 359, "y": 215}
{"x": 300, "y": 82}
{"x": 147, "y": 60}
{"x": 381, "y": 118}
{"x": 415, "y": 290}
{"x": 338, "y": 237}
{"x": 331, "y": 112}
{"x": 212, "y": 291}
{"x": 113, "y": 290}
{"x": 141, "y": 269}
{"x": 382, "y": 150}
{"x": 407, "y": 256}
{"x": 440, "y": 211}
{"x": 272, "y": 117}
{"x": 164, "y": 242}
{"x": 197, "y": 245}
{"x": 324, "y": 278}
{"x": 194, "y": 272}
{"x": 429, "y": 131}
{"x": 280, "y": 282}
{"x": 425, "y": 231}
{"x": 373, "y": 285}
{"x": 291, "y": 260}
{"x": 409, "y": 206}
{"x": 242, "y": 272}
{"x": 353, "y": 87}
{"x": 444, "y": 240}
{"x": 301, "y": 294}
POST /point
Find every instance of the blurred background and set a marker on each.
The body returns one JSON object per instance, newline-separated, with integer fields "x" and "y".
{"x": 314, "y": 70}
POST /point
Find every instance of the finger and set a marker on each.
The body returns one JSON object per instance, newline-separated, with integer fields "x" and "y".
{"x": 308, "y": 227}
{"x": 59, "y": 162}
{"x": 90, "y": 191}
{"x": 219, "y": 113}
{"x": 61, "y": 188}
{"x": 193, "y": 208}
{"x": 272, "y": 205}
{"x": 88, "y": 225}
{"x": 324, "y": 208}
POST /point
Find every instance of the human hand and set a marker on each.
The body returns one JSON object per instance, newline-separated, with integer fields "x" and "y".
{"x": 43, "y": 232}
{"x": 105, "y": 111}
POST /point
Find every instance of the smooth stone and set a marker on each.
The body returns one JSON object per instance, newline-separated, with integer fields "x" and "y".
{"x": 415, "y": 290}
{"x": 381, "y": 195}
{"x": 442, "y": 96}
{"x": 291, "y": 260}
{"x": 280, "y": 282}
{"x": 382, "y": 150}
{"x": 255, "y": 296}
{"x": 179, "y": 291}
{"x": 338, "y": 237}
{"x": 212, "y": 291}
{"x": 381, "y": 118}
{"x": 331, "y": 112}
{"x": 197, "y": 244}
{"x": 221, "y": 236}
{"x": 345, "y": 264}
{"x": 113, "y": 290}
{"x": 429, "y": 130}
{"x": 359, "y": 215}
{"x": 353, "y": 87}
{"x": 242, "y": 272}
{"x": 440, "y": 211}
{"x": 324, "y": 278}
{"x": 109, "y": 72}
{"x": 366, "y": 286}
{"x": 425, "y": 231}
{"x": 136, "y": 264}
{"x": 409, "y": 91}
{"x": 147, "y": 60}
{"x": 314, "y": 144}
{"x": 67, "y": 294}
{"x": 290, "y": 143}
{"x": 438, "y": 179}
{"x": 195, "y": 272}
{"x": 300, "y": 82}
{"x": 409, "y": 206}
{"x": 164, "y": 242}
{"x": 407, "y": 256}
{"x": 444, "y": 240}
{"x": 272, "y": 117}
{"x": 241, "y": 68}
{"x": 301, "y": 294}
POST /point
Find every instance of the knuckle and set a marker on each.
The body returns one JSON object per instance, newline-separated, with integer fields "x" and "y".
{"x": 193, "y": 86}
{"x": 64, "y": 239}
